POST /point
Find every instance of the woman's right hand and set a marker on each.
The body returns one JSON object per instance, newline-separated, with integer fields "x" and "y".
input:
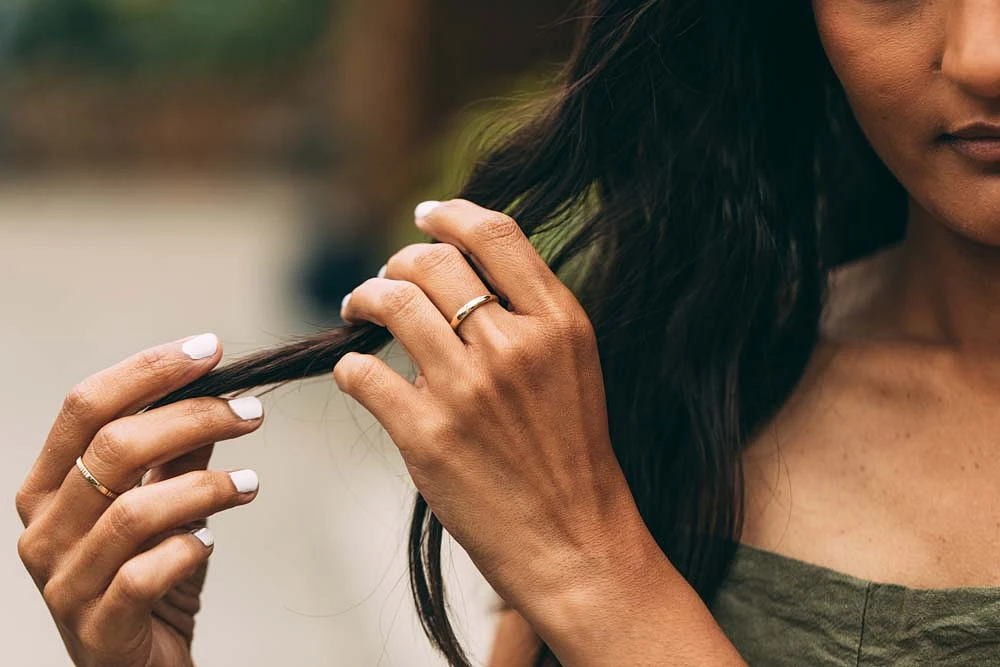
{"x": 122, "y": 577}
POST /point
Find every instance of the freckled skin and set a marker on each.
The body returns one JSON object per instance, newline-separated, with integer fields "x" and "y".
{"x": 913, "y": 69}
{"x": 883, "y": 462}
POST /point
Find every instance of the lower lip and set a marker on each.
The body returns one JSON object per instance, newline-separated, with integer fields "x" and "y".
{"x": 980, "y": 150}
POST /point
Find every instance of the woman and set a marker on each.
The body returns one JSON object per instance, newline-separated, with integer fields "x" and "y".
{"x": 713, "y": 453}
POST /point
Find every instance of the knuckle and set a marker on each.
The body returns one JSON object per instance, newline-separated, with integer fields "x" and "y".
{"x": 473, "y": 394}
{"x": 366, "y": 375}
{"x": 400, "y": 298}
{"x": 433, "y": 257}
{"x": 126, "y": 518}
{"x": 436, "y": 429}
{"x": 356, "y": 374}
{"x": 520, "y": 361}
{"x": 203, "y": 412}
{"x": 30, "y": 551}
{"x": 23, "y": 502}
{"x": 132, "y": 582}
{"x": 573, "y": 333}
{"x": 495, "y": 227}
{"x": 153, "y": 361}
{"x": 58, "y": 598}
{"x": 366, "y": 293}
{"x": 110, "y": 447}
{"x": 575, "y": 328}
{"x": 511, "y": 353}
{"x": 92, "y": 635}
{"x": 401, "y": 260}
{"x": 436, "y": 433}
{"x": 80, "y": 401}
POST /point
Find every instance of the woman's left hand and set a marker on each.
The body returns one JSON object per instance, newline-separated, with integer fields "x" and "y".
{"x": 505, "y": 429}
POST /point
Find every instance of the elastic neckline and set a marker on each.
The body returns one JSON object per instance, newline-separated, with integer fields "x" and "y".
{"x": 746, "y": 556}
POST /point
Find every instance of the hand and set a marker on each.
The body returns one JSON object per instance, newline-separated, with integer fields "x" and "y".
{"x": 122, "y": 577}
{"x": 504, "y": 431}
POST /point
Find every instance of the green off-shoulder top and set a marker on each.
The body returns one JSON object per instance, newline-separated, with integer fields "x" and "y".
{"x": 783, "y": 612}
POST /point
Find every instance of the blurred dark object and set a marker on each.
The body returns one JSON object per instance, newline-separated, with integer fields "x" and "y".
{"x": 355, "y": 93}
{"x": 178, "y": 37}
{"x": 178, "y": 82}
{"x": 404, "y": 68}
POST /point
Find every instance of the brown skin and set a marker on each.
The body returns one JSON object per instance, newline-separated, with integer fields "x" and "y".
{"x": 883, "y": 463}
{"x": 515, "y": 643}
{"x": 122, "y": 578}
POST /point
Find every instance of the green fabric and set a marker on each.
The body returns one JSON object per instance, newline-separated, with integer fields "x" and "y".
{"x": 783, "y": 612}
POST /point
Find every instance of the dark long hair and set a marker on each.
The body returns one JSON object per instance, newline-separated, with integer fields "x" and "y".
{"x": 700, "y": 171}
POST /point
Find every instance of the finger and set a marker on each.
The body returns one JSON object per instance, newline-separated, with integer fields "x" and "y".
{"x": 121, "y": 389}
{"x": 147, "y": 578}
{"x": 410, "y": 315}
{"x": 125, "y": 448}
{"x": 51, "y": 531}
{"x": 496, "y": 244}
{"x": 379, "y": 389}
{"x": 445, "y": 276}
{"x": 195, "y": 460}
{"x": 147, "y": 512}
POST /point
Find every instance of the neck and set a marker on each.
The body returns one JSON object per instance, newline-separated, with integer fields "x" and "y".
{"x": 942, "y": 287}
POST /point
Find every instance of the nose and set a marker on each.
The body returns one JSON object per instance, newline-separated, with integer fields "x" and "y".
{"x": 972, "y": 46}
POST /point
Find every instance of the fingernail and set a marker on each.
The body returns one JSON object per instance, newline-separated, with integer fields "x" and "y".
{"x": 247, "y": 407}
{"x": 381, "y": 272}
{"x": 343, "y": 302}
{"x": 245, "y": 480}
{"x": 424, "y": 208}
{"x": 201, "y": 347}
{"x": 204, "y": 536}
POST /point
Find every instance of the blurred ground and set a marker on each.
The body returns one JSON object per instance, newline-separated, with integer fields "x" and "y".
{"x": 95, "y": 267}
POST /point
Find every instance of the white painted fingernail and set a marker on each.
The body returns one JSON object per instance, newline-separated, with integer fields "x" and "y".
{"x": 247, "y": 407}
{"x": 245, "y": 480}
{"x": 343, "y": 302}
{"x": 381, "y": 272}
{"x": 424, "y": 208}
{"x": 204, "y": 536}
{"x": 201, "y": 346}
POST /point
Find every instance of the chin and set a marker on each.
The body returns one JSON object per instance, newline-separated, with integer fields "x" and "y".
{"x": 963, "y": 197}
{"x": 970, "y": 212}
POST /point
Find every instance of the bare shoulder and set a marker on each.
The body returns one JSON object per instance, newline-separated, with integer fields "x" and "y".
{"x": 862, "y": 462}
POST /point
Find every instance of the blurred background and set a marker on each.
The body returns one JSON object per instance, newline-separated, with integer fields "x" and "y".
{"x": 169, "y": 167}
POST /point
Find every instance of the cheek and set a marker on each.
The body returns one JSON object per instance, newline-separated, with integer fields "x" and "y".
{"x": 885, "y": 70}
{"x": 885, "y": 53}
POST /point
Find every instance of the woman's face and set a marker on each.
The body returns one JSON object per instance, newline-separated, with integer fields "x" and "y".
{"x": 917, "y": 72}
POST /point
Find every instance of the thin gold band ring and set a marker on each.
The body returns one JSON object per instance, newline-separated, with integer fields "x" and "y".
{"x": 467, "y": 309}
{"x": 93, "y": 480}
